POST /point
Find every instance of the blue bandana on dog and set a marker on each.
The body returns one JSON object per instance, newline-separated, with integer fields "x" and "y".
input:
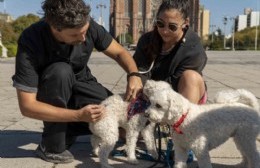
{"x": 137, "y": 105}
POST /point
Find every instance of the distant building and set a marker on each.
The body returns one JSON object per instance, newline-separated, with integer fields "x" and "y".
{"x": 135, "y": 17}
{"x": 194, "y": 15}
{"x": 240, "y": 22}
{"x": 250, "y": 18}
{"x": 6, "y": 17}
{"x": 254, "y": 18}
{"x": 247, "y": 11}
{"x": 204, "y": 23}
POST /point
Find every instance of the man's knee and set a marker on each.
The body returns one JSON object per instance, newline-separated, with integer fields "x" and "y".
{"x": 56, "y": 84}
{"x": 58, "y": 71}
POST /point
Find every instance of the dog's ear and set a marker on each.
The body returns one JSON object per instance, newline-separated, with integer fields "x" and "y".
{"x": 172, "y": 106}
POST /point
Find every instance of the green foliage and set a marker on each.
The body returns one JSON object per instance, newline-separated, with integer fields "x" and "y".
{"x": 11, "y": 50}
{"x": 11, "y": 31}
{"x": 244, "y": 40}
{"x": 128, "y": 38}
{"x": 8, "y": 35}
{"x": 23, "y": 22}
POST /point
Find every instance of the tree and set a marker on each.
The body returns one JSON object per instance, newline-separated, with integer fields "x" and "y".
{"x": 245, "y": 39}
{"x": 23, "y": 22}
{"x": 217, "y": 43}
{"x": 11, "y": 31}
{"x": 8, "y": 35}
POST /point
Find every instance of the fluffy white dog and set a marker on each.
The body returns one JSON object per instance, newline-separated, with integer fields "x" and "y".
{"x": 204, "y": 127}
{"x": 105, "y": 132}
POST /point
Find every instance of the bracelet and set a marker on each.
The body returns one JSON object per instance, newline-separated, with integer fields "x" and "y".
{"x": 134, "y": 74}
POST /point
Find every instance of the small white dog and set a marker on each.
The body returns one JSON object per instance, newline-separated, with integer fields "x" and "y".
{"x": 204, "y": 127}
{"x": 105, "y": 132}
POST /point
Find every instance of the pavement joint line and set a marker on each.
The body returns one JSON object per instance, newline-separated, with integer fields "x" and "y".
{"x": 218, "y": 82}
{"x": 117, "y": 82}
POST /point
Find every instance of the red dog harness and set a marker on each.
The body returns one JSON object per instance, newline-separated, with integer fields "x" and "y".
{"x": 176, "y": 125}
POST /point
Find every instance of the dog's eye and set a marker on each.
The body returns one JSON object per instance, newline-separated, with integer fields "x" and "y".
{"x": 158, "y": 106}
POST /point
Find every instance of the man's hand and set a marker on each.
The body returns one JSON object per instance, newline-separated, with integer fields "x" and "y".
{"x": 134, "y": 86}
{"x": 92, "y": 113}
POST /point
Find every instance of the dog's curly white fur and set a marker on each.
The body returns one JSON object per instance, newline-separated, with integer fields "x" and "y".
{"x": 105, "y": 132}
{"x": 235, "y": 114}
{"x": 234, "y": 96}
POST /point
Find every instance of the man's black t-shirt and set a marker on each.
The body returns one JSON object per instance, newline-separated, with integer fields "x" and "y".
{"x": 37, "y": 49}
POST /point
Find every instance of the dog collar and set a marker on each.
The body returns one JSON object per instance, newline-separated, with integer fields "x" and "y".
{"x": 176, "y": 125}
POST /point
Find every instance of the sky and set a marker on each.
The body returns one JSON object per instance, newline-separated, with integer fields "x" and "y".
{"x": 217, "y": 8}
{"x": 18, "y": 8}
{"x": 229, "y": 8}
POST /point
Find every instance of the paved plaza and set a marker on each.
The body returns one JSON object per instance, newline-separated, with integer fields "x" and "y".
{"x": 19, "y": 136}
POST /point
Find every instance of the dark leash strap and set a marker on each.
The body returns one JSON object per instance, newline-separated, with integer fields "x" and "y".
{"x": 163, "y": 157}
{"x": 159, "y": 150}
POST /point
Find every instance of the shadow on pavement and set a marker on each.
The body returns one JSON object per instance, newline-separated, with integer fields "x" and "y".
{"x": 22, "y": 144}
{"x": 194, "y": 164}
{"x": 18, "y": 144}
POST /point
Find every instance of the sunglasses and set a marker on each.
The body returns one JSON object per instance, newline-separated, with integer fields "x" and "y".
{"x": 172, "y": 26}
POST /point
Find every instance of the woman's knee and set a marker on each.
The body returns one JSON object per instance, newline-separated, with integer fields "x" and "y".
{"x": 191, "y": 85}
{"x": 191, "y": 78}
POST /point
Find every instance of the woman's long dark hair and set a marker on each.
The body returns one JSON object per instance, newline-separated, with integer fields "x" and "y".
{"x": 154, "y": 47}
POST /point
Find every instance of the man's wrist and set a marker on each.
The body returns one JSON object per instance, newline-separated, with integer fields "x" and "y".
{"x": 78, "y": 115}
{"x": 133, "y": 74}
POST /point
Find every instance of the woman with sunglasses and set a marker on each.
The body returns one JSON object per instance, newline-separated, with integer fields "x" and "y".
{"x": 172, "y": 52}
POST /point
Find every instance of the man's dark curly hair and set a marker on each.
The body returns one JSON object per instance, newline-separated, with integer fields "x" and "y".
{"x": 62, "y": 14}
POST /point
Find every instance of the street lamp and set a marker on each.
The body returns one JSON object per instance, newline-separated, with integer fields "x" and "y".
{"x": 212, "y": 32}
{"x": 233, "y": 33}
{"x": 90, "y": 4}
{"x": 256, "y": 27}
{"x": 225, "y": 19}
{"x": 4, "y": 5}
{"x": 101, "y": 6}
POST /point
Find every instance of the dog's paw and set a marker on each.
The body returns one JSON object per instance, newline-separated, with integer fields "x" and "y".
{"x": 132, "y": 161}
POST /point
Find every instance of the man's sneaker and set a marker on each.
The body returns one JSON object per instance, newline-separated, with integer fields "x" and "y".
{"x": 70, "y": 140}
{"x": 64, "y": 157}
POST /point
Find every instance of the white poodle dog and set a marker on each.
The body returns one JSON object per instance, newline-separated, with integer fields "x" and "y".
{"x": 204, "y": 127}
{"x": 105, "y": 132}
